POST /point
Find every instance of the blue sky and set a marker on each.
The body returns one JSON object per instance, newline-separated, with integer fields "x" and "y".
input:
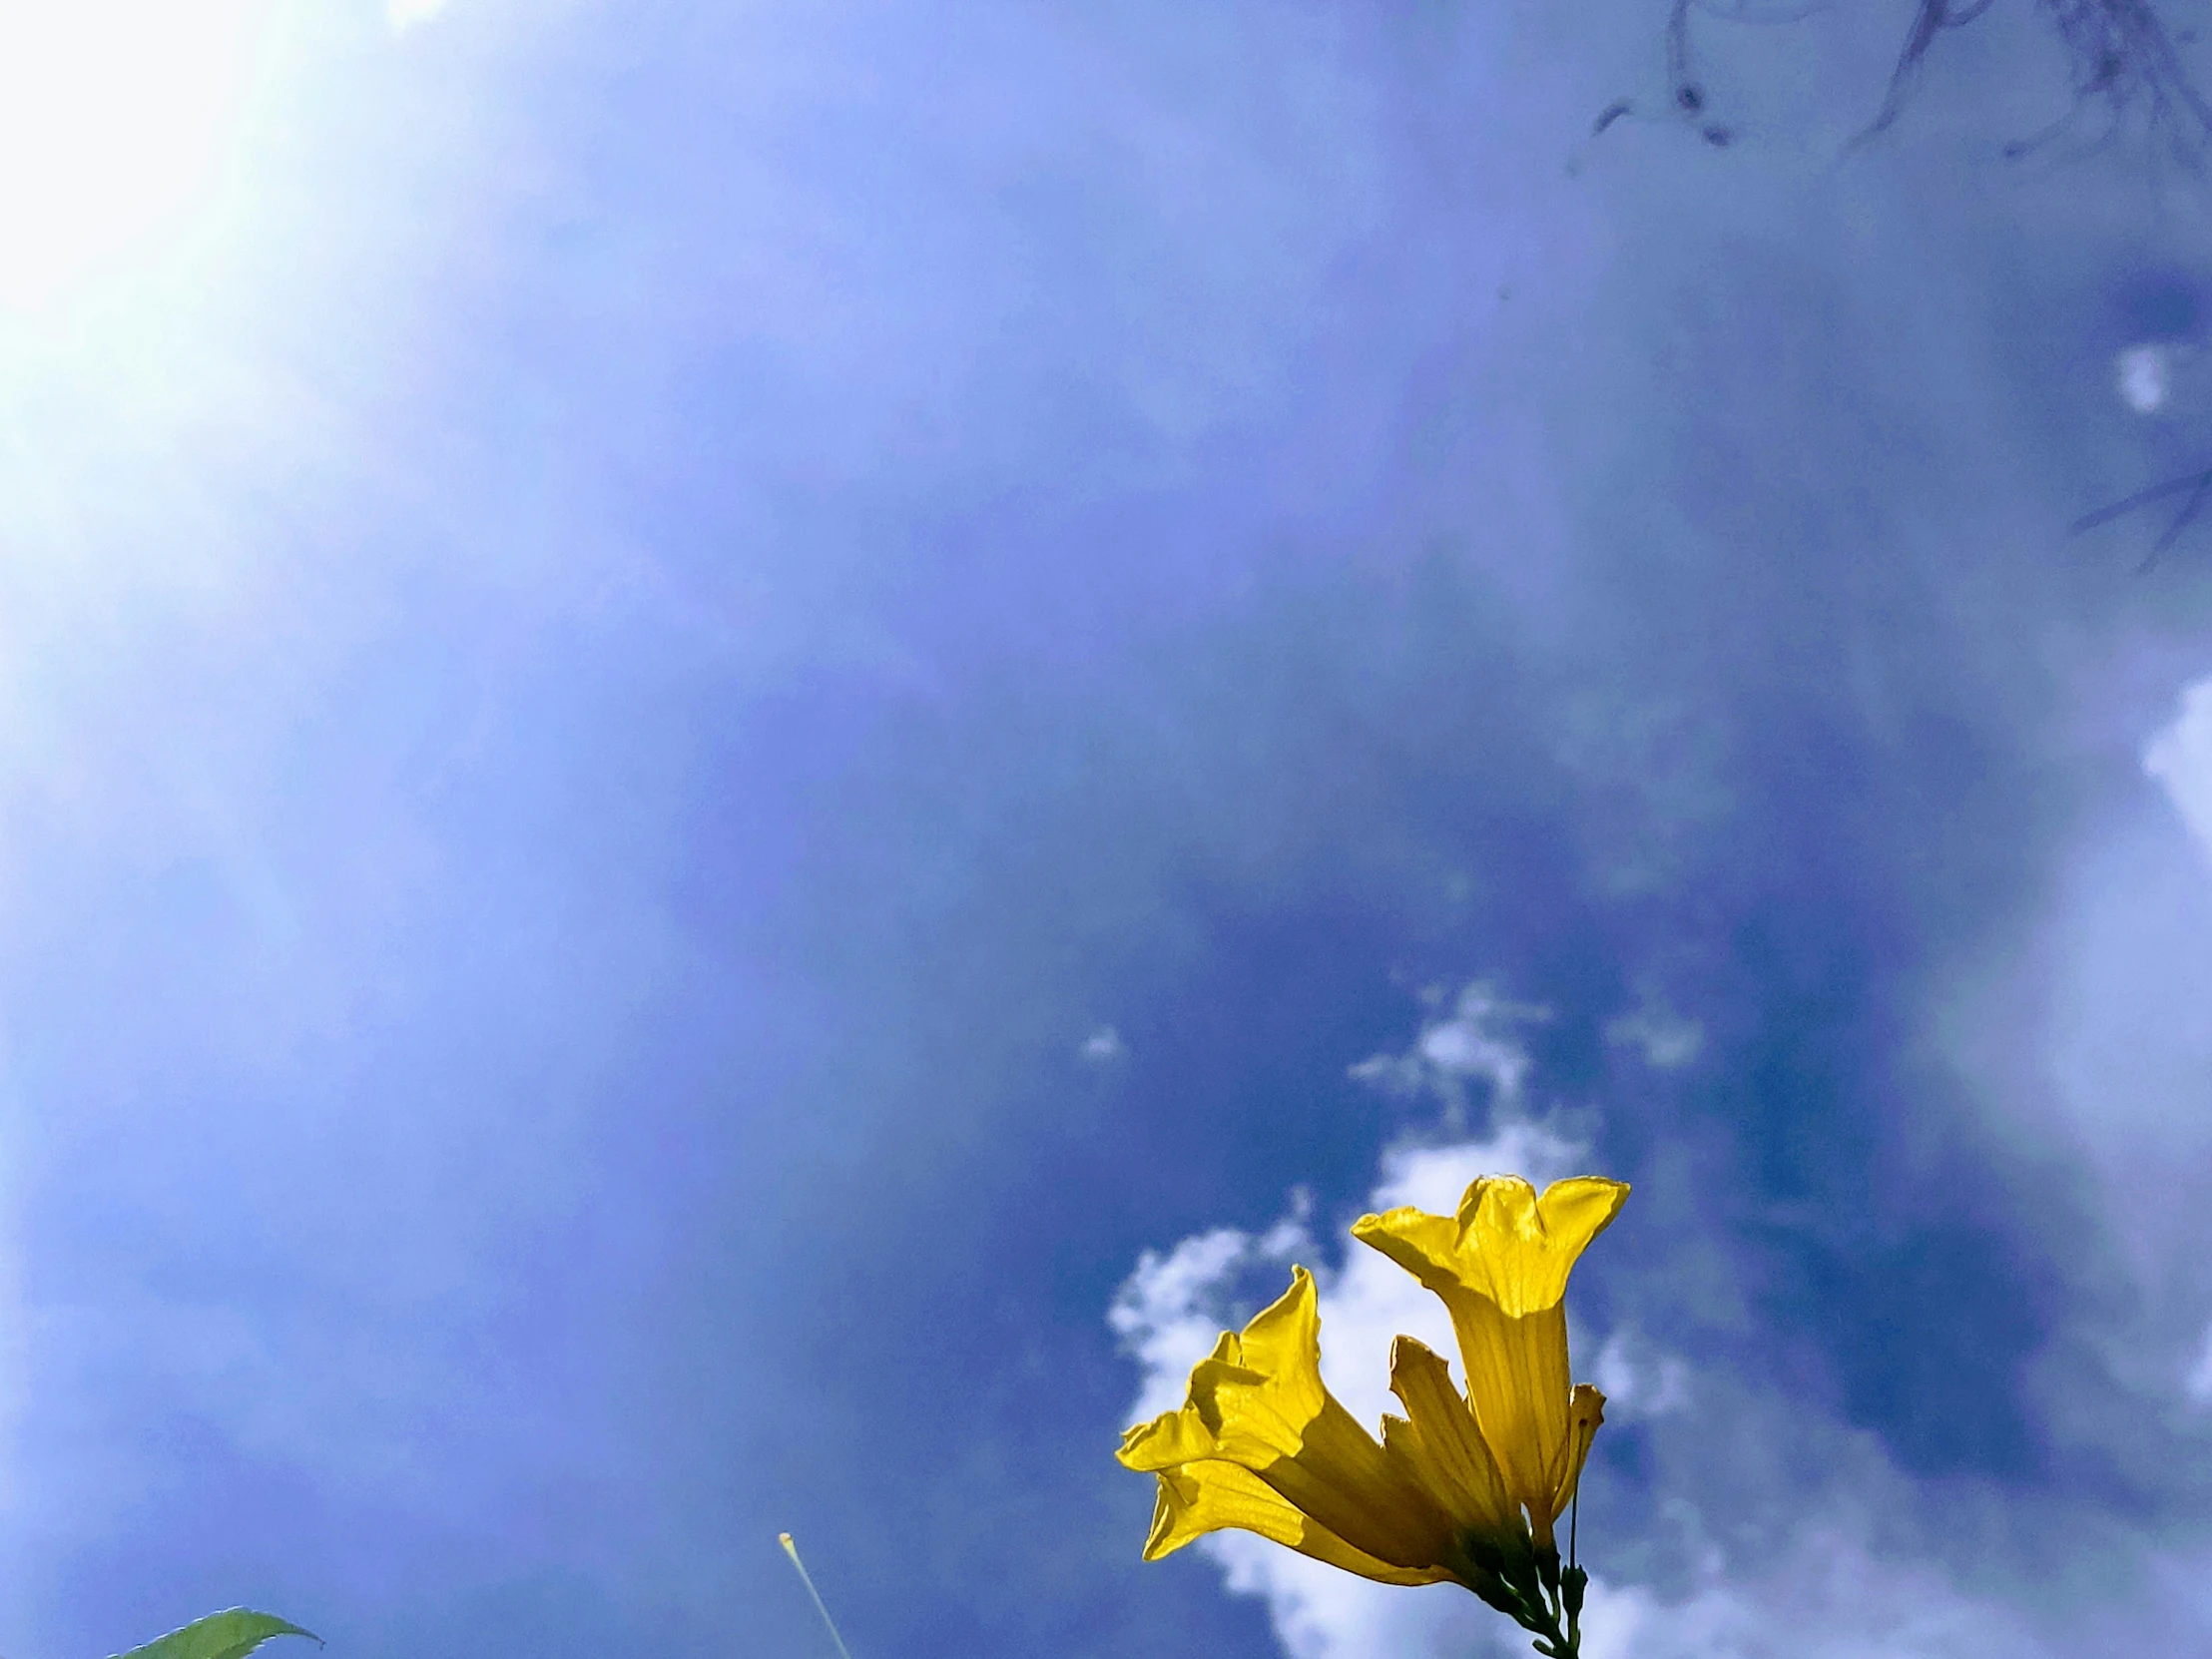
{"x": 702, "y": 710}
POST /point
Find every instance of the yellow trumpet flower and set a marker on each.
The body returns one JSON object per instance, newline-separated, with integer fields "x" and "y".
{"x": 1500, "y": 1264}
{"x": 1261, "y": 1444}
{"x": 1463, "y": 1488}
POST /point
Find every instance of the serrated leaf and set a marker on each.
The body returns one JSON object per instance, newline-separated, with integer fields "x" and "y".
{"x": 229, "y": 1634}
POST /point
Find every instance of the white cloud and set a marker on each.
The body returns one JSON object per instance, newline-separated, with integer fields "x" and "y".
{"x": 1320, "y": 1613}
{"x": 1103, "y": 1047}
{"x": 405, "y": 14}
{"x": 2116, "y": 984}
{"x": 1828, "y": 1596}
{"x": 2090, "y": 1030}
{"x": 1639, "y": 1379}
{"x": 1166, "y": 1312}
{"x": 2199, "y": 1384}
{"x": 1472, "y": 1040}
{"x": 2144, "y": 376}
{"x": 1667, "y": 1039}
{"x": 2179, "y": 757}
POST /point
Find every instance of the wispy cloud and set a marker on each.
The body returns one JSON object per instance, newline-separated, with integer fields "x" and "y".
{"x": 1469, "y": 1041}
{"x": 1640, "y": 1378}
{"x": 2179, "y": 757}
{"x": 1103, "y": 1047}
{"x": 1666, "y": 1039}
{"x": 2199, "y": 1384}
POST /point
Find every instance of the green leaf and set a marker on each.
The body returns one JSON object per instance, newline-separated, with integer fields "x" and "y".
{"x": 231, "y": 1634}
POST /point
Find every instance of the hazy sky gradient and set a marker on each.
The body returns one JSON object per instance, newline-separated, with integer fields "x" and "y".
{"x": 615, "y": 656}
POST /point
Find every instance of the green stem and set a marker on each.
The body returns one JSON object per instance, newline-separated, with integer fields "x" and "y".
{"x": 1530, "y": 1612}
{"x": 1563, "y": 1645}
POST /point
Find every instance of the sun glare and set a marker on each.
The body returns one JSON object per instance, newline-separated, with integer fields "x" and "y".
{"x": 114, "y": 118}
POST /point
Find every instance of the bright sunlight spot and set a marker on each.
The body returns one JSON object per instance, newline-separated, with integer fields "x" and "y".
{"x": 114, "y": 116}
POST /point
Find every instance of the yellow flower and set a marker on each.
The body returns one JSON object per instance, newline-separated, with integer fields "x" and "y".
{"x": 1463, "y": 1486}
{"x": 1500, "y": 1264}
{"x": 1261, "y": 1444}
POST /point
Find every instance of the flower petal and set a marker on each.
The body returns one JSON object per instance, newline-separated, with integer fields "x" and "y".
{"x": 1271, "y": 1416}
{"x": 1441, "y": 1438}
{"x": 1585, "y": 1411}
{"x": 1518, "y": 1387}
{"x": 1169, "y": 1441}
{"x": 1177, "y": 1437}
{"x": 1505, "y": 1243}
{"x": 1209, "y": 1495}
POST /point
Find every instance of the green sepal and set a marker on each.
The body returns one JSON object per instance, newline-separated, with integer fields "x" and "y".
{"x": 1547, "y": 1568}
{"x": 1572, "y": 1583}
